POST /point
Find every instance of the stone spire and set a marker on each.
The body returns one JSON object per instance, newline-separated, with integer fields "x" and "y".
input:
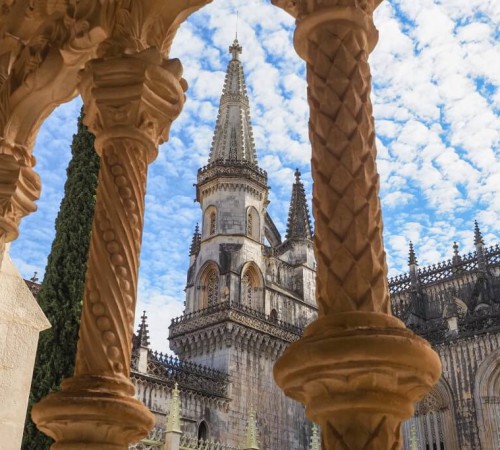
{"x": 299, "y": 221}
{"x": 233, "y": 137}
{"x": 479, "y": 244}
{"x": 457, "y": 259}
{"x": 412, "y": 258}
{"x": 478, "y": 237}
{"x": 413, "y": 264}
{"x": 195, "y": 242}
{"x": 174, "y": 415}
{"x": 142, "y": 332}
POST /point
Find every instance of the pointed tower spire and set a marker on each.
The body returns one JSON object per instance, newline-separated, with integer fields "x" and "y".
{"x": 413, "y": 264}
{"x": 457, "y": 259}
{"x": 478, "y": 237}
{"x": 195, "y": 241}
{"x": 299, "y": 221}
{"x": 142, "y": 331}
{"x": 233, "y": 136}
{"x": 412, "y": 259}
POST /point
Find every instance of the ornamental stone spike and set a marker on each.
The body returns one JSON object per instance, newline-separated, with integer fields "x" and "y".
{"x": 174, "y": 415}
{"x": 233, "y": 136}
{"x": 252, "y": 438}
{"x": 195, "y": 242}
{"x": 478, "y": 237}
{"x": 315, "y": 438}
{"x": 299, "y": 221}
{"x": 143, "y": 332}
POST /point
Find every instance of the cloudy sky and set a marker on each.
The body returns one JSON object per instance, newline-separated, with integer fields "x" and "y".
{"x": 436, "y": 75}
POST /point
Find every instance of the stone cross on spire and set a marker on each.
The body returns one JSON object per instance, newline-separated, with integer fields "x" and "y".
{"x": 235, "y": 49}
{"x": 142, "y": 332}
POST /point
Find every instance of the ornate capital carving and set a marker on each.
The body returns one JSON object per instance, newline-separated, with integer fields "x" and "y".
{"x": 358, "y": 375}
{"x": 133, "y": 97}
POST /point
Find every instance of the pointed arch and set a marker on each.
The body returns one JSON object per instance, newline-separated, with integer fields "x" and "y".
{"x": 252, "y": 283}
{"x": 434, "y": 423}
{"x": 253, "y": 223}
{"x": 487, "y": 400}
{"x": 210, "y": 222}
{"x": 208, "y": 285}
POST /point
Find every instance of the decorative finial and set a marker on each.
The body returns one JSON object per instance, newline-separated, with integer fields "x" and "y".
{"x": 174, "y": 415}
{"x": 34, "y": 278}
{"x": 299, "y": 222}
{"x": 142, "y": 332}
{"x": 478, "y": 237}
{"x": 195, "y": 242}
{"x": 252, "y": 443}
{"x": 297, "y": 175}
{"x": 315, "y": 438}
{"x": 235, "y": 49}
{"x": 412, "y": 259}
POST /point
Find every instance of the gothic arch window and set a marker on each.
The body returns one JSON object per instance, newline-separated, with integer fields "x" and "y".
{"x": 434, "y": 424}
{"x": 253, "y": 223}
{"x": 251, "y": 292}
{"x": 210, "y": 222}
{"x": 274, "y": 315}
{"x": 203, "y": 431}
{"x": 209, "y": 288}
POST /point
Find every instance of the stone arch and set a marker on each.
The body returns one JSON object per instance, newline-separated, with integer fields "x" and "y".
{"x": 434, "y": 425}
{"x": 210, "y": 222}
{"x": 253, "y": 223}
{"x": 208, "y": 286}
{"x": 252, "y": 283}
{"x": 487, "y": 400}
{"x": 203, "y": 431}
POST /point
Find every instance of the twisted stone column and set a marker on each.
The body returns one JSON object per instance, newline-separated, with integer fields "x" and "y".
{"x": 357, "y": 369}
{"x": 130, "y": 102}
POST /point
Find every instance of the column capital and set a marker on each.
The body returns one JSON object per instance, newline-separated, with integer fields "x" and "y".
{"x": 132, "y": 96}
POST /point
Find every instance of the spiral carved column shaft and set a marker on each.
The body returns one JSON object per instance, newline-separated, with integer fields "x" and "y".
{"x": 357, "y": 369}
{"x": 130, "y": 102}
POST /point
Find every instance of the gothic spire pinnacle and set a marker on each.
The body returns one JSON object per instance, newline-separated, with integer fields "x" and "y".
{"x": 456, "y": 255}
{"x": 478, "y": 237}
{"x": 299, "y": 221}
{"x": 195, "y": 241}
{"x": 142, "y": 331}
{"x": 412, "y": 258}
{"x": 233, "y": 136}
{"x": 174, "y": 415}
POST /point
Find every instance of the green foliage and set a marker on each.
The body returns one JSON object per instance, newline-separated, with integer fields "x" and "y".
{"x": 61, "y": 293}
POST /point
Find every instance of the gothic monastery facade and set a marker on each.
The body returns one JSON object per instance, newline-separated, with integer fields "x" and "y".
{"x": 250, "y": 293}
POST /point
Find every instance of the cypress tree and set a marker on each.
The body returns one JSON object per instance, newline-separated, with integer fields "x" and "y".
{"x": 61, "y": 292}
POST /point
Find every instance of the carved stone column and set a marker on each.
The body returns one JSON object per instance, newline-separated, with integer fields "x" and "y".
{"x": 130, "y": 102}
{"x": 357, "y": 369}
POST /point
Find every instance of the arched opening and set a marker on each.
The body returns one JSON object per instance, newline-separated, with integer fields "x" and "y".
{"x": 209, "y": 288}
{"x": 251, "y": 284}
{"x": 203, "y": 431}
{"x": 253, "y": 224}
{"x": 487, "y": 400}
{"x": 433, "y": 427}
{"x": 274, "y": 315}
{"x": 210, "y": 222}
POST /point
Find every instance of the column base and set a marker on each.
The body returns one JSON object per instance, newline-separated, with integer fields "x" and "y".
{"x": 92, "y": 413}
{"x": 358, "y": 374}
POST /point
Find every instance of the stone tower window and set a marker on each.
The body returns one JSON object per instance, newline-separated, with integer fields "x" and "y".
{"x": 212, "y": 288}
{"x": 212, "y": 223}
{"x": 249, "y": 223}
{"x": 274, "y": 315}
{"x": 251, "y": 295}
{"x": 203, "y": 431}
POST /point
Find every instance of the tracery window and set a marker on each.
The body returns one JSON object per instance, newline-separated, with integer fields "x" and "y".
{"x": 212, "y": 288}
{"x": 247, "y": 294}
{"x": 249, "y": 223}
{"x": 212, "y": 223}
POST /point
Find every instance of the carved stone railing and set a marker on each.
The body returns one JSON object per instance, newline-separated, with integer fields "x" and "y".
{"x": 155, "y": 440}
{"x": 232, "y": 169}
{"x": 445, "y": 270}
{"x": 193, "y": 443}
{"x": 235, "y": 312}
{"x": 188, "y": 375}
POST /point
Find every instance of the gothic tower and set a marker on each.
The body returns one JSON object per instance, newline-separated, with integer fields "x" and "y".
{"x": 248, "y": 294}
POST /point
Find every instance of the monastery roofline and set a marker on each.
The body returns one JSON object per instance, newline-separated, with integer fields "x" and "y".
{"x": 445, "y": 270}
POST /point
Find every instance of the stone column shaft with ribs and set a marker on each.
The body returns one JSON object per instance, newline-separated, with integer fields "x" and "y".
{"x": 130, "y": 102}
{"x": 357, "y": 369}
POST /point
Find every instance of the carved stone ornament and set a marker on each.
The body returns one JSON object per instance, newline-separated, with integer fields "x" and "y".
{"x": 131, "y": 96}
{"x": 357, "y": 369}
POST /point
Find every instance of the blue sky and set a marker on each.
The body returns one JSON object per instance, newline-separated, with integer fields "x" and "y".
{"x": 436, "y": 75}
